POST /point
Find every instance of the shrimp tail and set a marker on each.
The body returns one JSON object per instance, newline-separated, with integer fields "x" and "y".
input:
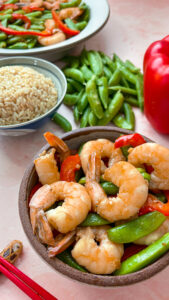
{"x": 62, "y": 244}
{"x": 94, "y": 168}
{"x": 43, "y": 229}
{"x": 56, "y": 142}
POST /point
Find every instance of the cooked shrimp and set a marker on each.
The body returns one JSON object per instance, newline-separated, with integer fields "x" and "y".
{"x": 71, "y": 12}
{"x": 50, "y": 24}
{"x": 51, "y": 5}
{"x": 36, "y": 3}
{"x": 158, "y": 157}
{"x": 102, "y": 147}
{"x": 56, "y": 142}
{"x": 46, "y": 167}
{"x": 64, "y": 218}
{"x": 62, "y": 243}
{"x": 133, "y": 190}
{"x": 96, "y": 252}
{"x": 155, "y": 235}
{"x": 52, "y": 39}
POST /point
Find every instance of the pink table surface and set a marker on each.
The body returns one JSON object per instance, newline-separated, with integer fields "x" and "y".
{"x": 132, "y": 26}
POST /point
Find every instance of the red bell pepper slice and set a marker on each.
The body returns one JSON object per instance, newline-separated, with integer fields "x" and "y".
{"x": 69, "y": 166}
{"x": 15, "y": 32}
{"x": 8, "y": 6}
{"x": 132, "y": 140}
{"x": 152, "y": 203}
{"x": 131, "y": 250}
{"x": 34, "y": 190}
{"x": 23, "y": 18}
{"x": 30, "y": 9}
{"x": 62, "y": 26}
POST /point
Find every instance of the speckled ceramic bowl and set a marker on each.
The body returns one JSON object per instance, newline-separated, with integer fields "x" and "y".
{"x": 74, "y": 139}
{"x": 49, "y": 70}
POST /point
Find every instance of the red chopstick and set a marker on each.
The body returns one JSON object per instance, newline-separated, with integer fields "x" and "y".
{"x": 26, "y": 284}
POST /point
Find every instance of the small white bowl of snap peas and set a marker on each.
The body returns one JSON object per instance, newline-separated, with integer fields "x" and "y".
{"x": 98, "y": 16}
{"x": 74, "y": 140}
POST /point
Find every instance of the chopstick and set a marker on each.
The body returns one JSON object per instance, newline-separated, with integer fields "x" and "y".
{"x": 25, "y": 283}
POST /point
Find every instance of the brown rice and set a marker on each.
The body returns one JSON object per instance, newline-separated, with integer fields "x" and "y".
{"x": 24, "y": 94}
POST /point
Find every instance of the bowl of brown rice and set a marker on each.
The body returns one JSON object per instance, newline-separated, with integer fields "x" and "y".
{"x": 31, "y": 90}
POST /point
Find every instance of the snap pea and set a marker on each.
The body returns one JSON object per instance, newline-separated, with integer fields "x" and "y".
{"x": 19, "y": 45}
{"x": 145, "y": 257}
{"x": 81, "y": 25}
{"x": 125, "y": 151}
{"x": 93, "y": 98}
{"x": 70, "y": 24}
{"x": 132, "y": 68}
{"x": 2, "y": 44}
{"x": 124, "y": 82}
{"x": 103, "y": 91}
{"x": 62, "y": 122}
{"x": 107, "y": 61}
{"x": 83, "y": 179}
{"x": 139, "y": 87}
{"x": 115, "y": 78}
{"x": 20, "y": 11}
{"x": 127, "y": 74}
{"x": 18, "y": 22}
{"x": 144, "y": 173}
{"x": 14, "y": 39}
{"x": 72, "y": 61}
{"x": 95, "y": 62}
{"x": 86, "y": 14}
{"x": 80, "y": 148}
{"x": 71, "y": 3}
{"x": 87, "y": 73}
{"x": 76, "y": 114}
{"x": 11, "y": 1}
{"x": 34, "y": 14}
{"x": 94, "y": 220}
{"x": 5, "y": 17}
{"x": 67, "y": 258}
{"x": 4, "y": 22}
{"x": 113, "y": 108}
{"x": 109, "y": 188}
{"x": 132, "y": 101}
{"x": 128, "y": 120}
{"x": 16, "y": 27}
{"x": 92, "y": 119}
{"x": 32, "y": 43}
{"x": 46, "y": 17}
{"x": 83, "y": 57}
{"x": 37, "y": 27}
{"x": 70, "y": 99}
{"x": 77, "y": 85}
{"x": 84, "y": 118}
{"x": 7, "y": 11}
{"x": 74, "y": 74}
{"x": 123, "y": 89}
{"x": 82, "y": 103}
{"x": 3, "y": 36}
{"x": 70, "y": 88}
{"x": 107, "y": 72}
{"x": 137, "y": 228}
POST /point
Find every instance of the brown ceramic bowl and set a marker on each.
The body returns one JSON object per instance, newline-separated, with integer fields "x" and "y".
{"x": 74, "y": 139}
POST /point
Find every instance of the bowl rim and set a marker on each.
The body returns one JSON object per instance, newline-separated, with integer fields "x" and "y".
{"x": 87, "y": 278}
{"x": 68, "y": 44}
{"x": 47, "y": 64}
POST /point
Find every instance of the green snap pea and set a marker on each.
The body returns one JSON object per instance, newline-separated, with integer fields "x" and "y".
{"x": 86, "y": 14}
{"x": 82, "y": 103}
{"x": 4, "y": 22}
{"x": 145, "y": 257}
{"x": 139, "y": 87}
{"x": 5, "y": 17}
{"x": 19, "y": 45}
{"x": 109, "y": 188}
{"x": 107, "y": 61}
{"x": 67, "y": 258}
{"x": 87, "y": 73}
{"x": 70, "y": 99}
{"x": 115, "y": 78}
{"x": 95, "y": 62}
{"x": 2, "y": 44}
{"x": 7, "y": 11}
{"x": 69, "y": 22}
{"x": 14, "y": 39}
{"x": 132, "y": 68}
{"x": 137, "y": 228}
{"x": 62, "y": 122}
{"x": 85, "y": 117}
{"x": 107, "y": 72}
{"x": 74, "y": 74}
{"x": 94, "y": 220}
{"x": 18, "y": 22}
{"x": 124, "y": 82}
{"x": 76, "y": 114}
{"x": 3, "y": 36}
{"x": 20, "y": 11}
{"x": 103, "y": 91}
{"x": 71, "y": 3}
{"x": 83, "y": 179}
{"x": 11, "y": 1}
{"x": 80, "y": 148}
{"x": 81, "y": 25}
{"x": 113, "y": 108}
{"x": 72, "y": 61}
{"x": 70, "y": 88}
{"x": 128, "y": 120}
{"x": 124, "y": 150}
{"x": 144, "y": 173}
{"x": 123, "y": 89}
{"x": 93, "y": 98}
{"x": 132, "y": 101}
{"x": 77, "y": 85}
{"x": 16, "y": 27}
{"x": 83, "y": 57}
{"x": 92, "y": 119}
{"x": 45, "y": 16}
{"x": 37, "y": 27}
{"x": 127, "y": 74}
{"x": 34, "y": 14}
{"x": 32, "y": 43}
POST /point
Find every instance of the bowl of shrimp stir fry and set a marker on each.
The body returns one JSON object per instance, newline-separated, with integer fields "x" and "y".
{"x": 48, "y": 28}
{"x": 95, "y": 205}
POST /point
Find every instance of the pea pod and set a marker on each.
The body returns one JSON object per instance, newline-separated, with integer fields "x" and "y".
{"x": 95, "y": 62}
{"x": 132, "y": 101}
{"x": 107, "y": 61}
{"x": 84, "y": 118}
{"x": 115, "y": 78}
{"x": 92, "y": 119}
{"x": 126, "y": 73}
{"x": 124, "y": 82}
{"x": 94, "y": 220}
{"x": 123, "y": 89}
{"x": 71, "y": 3}
{"x": 3, "y": 36}
{"x": 14, "y": 39}
{"x": 82, "y": 103}
{"x": 87, "y": 73}
{"x": 139, "y": 87}
{"x": 86, "y": 14}
{"x": 32, "y": 43}
{"x": 107, "y": 72}
{"x": 77, "y": 85}
{"x": 125, "y": 151}
{"x": 128, "y": 120}
{"x": 19, "y": 45}
{"x": 83, "y": 57}
{"x": 5, "y": 17}
{"x": 132, "y": 68}
{"x": 113, "y": 108}
{"x": 34, "y": 14}
{"x": 67, "y": 258}
{"x": 80, "y": 149}
{"x": 137, "y": 228}
{"x": 145, "y": 257}
{"x": 70, "y": 99}
{"x": 70, "y": 24}
{"x": 72, "y": 61}
{"x": 62, "y": 122}
{"x": 103, "y": 91}
{"x": 81, "y": 25}
{"x": 76, "y": 114}
{"x": 3, "y": 44}
{"x": 70, "y": 88}
{"x": 74, "y": 74}
{"x": 93, "y": 98}
{"x": 109, "y": 188}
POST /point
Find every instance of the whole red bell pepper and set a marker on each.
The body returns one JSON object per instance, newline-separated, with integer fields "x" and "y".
{"x": 69, "y": 166}
{"x": 156, "y": 85}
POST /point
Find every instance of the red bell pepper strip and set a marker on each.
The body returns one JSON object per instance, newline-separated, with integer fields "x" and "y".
{"x": 69, "y": 166}
{"x": 132, "y": 140}
{"x": 62, "y": 26}
{"x": 153, "y": 203}
{"x": 8, "y": 6}
{"x": 23, "y": 18}
{"x": 131, "y": 250}
{"x": 33, "y": 191}
{"x": 30, "y": 9}
{"x": 15, "y": 32}
{"x": 156, "y": 85}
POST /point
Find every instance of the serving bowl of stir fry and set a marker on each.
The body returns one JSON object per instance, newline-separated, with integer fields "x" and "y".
{"x": 48, "y": 28}
{"x": 94, "y": 205}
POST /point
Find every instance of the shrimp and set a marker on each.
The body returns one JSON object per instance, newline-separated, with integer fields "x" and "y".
{"x": 46, "y": 167}
{"x": 51, "y": 5}
{"x": 157, "y": 156}
{"x": 71, "y": 12}
{"x": 52, "y": 39}
{"x": 96, "y": 252}
{"x": 64, "y": 218}
{"x": 56, "y": 142}
{"x": 102, "y": 147}
{"x": 62, "y": 243}
{"x": 133, "y": 190}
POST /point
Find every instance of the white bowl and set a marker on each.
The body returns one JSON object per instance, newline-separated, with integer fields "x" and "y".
{"x": 99, "y": 10}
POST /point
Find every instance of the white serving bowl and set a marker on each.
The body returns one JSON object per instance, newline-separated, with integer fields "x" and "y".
{"x": 99, "y": 16}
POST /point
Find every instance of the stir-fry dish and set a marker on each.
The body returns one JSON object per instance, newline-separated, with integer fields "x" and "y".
{"x": 25, "y": 24}
{"x": 103, "y": 209}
